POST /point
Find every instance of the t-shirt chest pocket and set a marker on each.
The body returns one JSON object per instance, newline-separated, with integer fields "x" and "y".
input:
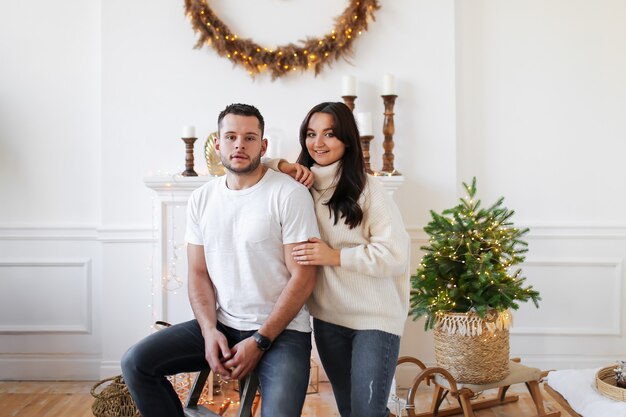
{"x": 253, "y": 229}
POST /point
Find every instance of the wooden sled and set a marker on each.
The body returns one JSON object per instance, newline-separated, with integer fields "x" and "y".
{"x": 444, "y": 384}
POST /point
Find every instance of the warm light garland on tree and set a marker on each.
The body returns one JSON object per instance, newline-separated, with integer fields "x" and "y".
{"x": 467, "y": 265}
{"x": 312, "y": 54}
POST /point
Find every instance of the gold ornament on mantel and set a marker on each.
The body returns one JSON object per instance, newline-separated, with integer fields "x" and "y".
{"x": 312, "y": 54}
{"x": 213, "y": 161}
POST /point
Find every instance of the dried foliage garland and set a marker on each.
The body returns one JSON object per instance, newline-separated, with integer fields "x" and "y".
{"x": 313, "y": 53}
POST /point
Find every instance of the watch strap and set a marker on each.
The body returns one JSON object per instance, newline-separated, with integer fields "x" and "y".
{"x": 262, "y": 342}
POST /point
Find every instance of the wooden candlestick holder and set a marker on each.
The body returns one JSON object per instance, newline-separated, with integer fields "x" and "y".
{"x": 388, "y": 131}
{"x": 349, "y": 101}
{"x": 365, "y": 145}
{"x": 189, "y": 172}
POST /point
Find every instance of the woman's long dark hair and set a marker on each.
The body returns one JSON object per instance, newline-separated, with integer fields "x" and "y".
{"x": 345, "y": 200}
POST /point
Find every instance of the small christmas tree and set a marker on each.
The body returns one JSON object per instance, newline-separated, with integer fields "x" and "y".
{"x": 467, "y": 265}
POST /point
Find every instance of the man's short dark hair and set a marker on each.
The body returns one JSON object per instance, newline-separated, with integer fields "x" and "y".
{"x": 239, "y": 109}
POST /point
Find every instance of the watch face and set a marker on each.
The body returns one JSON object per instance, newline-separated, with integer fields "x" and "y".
{"x": 262, "y": 342}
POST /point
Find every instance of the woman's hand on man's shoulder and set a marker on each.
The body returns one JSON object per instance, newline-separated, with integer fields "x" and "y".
{"x": 298, "y": 172}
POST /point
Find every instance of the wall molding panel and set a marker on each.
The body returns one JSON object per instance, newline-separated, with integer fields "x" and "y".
{"x": 120, "y": 234}
{"x": 607, "y": 298}
{"x": 47, "y": 232}
{"x": 143, "y": 233}
{"x": 50, "y": 302}
{"x": 105, "y": 234}
{"x": 43, "y": 277}
{"x": 577, "y": 232}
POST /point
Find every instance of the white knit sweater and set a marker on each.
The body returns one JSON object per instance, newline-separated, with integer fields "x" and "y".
{"x": 370, "y": 290}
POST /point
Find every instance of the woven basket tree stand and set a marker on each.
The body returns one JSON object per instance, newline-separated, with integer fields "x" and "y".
{"x": 474, "y": 350}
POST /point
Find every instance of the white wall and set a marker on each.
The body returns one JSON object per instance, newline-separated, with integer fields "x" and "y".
{"x": 525, "y": 95}
{"x": 50, "y": 265}
{"x": 50, "y": 117}
{"x": 542, "y": 99}
{"x": 540, "y": 116}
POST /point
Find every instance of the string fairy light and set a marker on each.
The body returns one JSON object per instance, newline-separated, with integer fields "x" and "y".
{"x": 169, "y": 280}
{"x": 150, "y": 267}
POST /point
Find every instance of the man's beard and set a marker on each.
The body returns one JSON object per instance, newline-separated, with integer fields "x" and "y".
{"x": 254, "y": 164}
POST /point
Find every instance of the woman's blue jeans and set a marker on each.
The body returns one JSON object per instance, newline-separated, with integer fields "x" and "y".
{"x": 283, "y": 370}
{"x": 360, "y": 365}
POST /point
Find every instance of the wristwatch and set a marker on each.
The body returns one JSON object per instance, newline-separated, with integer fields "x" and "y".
{"x": 262, "y": 342}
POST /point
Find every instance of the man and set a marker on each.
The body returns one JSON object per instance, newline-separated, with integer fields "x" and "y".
{"x": 246, "y": 291}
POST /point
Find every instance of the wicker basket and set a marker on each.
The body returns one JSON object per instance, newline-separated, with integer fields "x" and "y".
{"x": 473, "y": 350}
{"x": 114, "y": 400}
{"x": 605, "y": 382}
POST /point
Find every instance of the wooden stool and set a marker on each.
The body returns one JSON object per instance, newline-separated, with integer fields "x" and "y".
{"x": 247, "y": 391}
{"x": 445, "y": 384}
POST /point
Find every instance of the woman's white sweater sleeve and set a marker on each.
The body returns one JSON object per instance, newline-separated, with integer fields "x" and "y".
{"x": 272, "y": 163}
{"x": 386, "y": 254}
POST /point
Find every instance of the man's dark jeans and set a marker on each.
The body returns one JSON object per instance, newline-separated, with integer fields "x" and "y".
{"x": 283, "y": 370}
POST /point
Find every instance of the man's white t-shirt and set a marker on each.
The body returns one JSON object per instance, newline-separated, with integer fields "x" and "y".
{"x": 243, "y": 233}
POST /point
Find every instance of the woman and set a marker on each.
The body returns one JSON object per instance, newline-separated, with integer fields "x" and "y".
{"x": 360, "y": 301}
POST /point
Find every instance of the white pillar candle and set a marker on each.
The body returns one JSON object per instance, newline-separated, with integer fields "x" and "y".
{"x": 364, "y": 123}
{"x": 348, "y": 85}
{"x": 189, "y": 131}
{"x": 389, "y": 85}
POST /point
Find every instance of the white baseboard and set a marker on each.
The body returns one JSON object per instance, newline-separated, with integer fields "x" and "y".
{"x": 109, "y": 369}
{"x": 49, "y": 368}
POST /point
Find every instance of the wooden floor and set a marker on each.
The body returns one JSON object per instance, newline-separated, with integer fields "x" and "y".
{"x": 72, "y": 399}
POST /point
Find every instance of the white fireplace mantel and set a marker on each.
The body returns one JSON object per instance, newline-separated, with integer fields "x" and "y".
{"x": 177, "y": 187}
